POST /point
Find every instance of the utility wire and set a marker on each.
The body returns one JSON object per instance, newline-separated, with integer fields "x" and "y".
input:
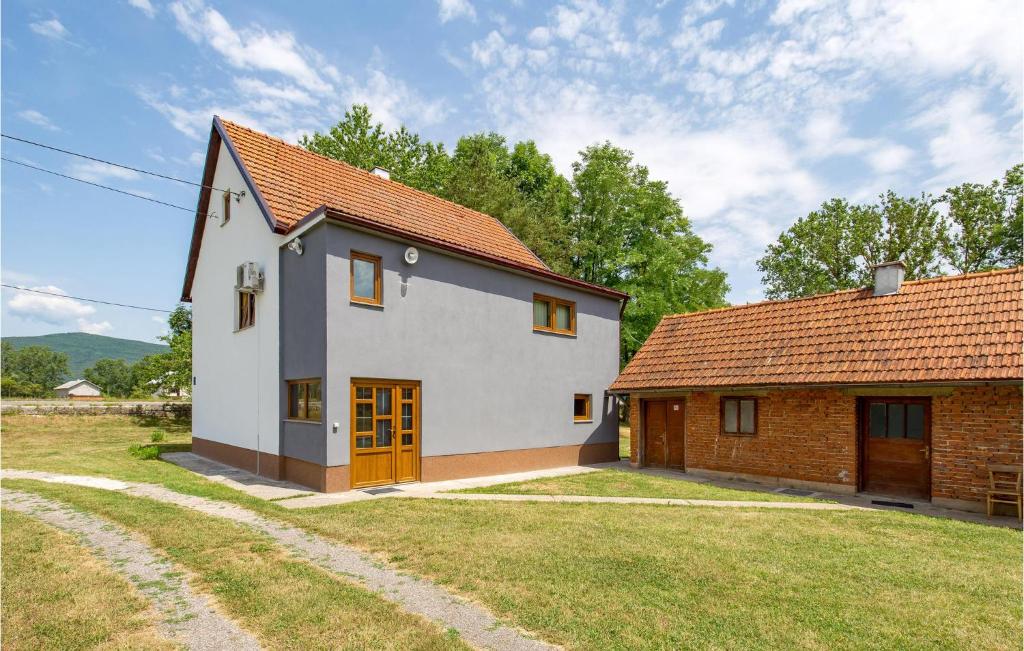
{"x": 89, "y": 300}
{"x": 106, "y": 162}
{"x": 99, "y": 185}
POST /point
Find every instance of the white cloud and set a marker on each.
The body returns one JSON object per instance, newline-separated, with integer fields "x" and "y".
{"x": 33, "y": 116}
{"x": 254, "y": 48}
{"x": 51, "y": 28}
{"x": 451, "y": 9}
{"x": 145, "y": 6}
{"x": 94, "y": 327}
{"x": 262, "y": 91}
{"x": 54, "y": 310}
{"x": 96, "y": 172}
{"x": 394, "y": 103}
{"x": 965, "y": 142}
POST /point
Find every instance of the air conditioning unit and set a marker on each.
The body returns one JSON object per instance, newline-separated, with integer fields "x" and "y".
{"x": 249, "y": 278}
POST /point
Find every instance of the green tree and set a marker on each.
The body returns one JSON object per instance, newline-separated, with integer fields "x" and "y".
{"x": 34, "y": 365}
{"x": 834, "y": 247}
{"x": 173, "y": 369}
{"x": 984, "y": 224}
{"x": 113, "y": 376}
{"x": 628, "y": 232}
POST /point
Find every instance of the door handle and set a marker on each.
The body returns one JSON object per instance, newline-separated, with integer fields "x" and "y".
{"x": 927, "y": 453}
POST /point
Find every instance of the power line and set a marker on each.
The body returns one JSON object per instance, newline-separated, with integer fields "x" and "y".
{"x": 99, "y": 185}
{"x": 106, "y": 162}
{"x": 88, "y": 300}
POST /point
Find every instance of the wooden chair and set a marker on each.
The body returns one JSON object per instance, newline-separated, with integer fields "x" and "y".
{"x": 1004, "y": 487}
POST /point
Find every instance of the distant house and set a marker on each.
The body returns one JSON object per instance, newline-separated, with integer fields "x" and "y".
{"x": 904, "y": 389}
{"x": 78, "y": 390}
{"x": 351, "y": 331}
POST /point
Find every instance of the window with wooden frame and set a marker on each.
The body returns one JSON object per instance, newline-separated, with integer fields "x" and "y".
{"x": 226, "y": 208}
{"x": 554, "y": 315}
{"x": 739, "y": 416}
{"x": 245, "y": 310}
{"x": 304, "y": 402}
{"x": 581, "y": 408}
{"x": 365, "y": 278}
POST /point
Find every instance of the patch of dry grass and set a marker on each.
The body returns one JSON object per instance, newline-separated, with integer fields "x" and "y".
{"x": 57, "y": 595}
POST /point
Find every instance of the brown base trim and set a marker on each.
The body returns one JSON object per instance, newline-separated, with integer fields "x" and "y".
{"x": 826, "y": 487}
{"x": 244, "y": 458}
{"x": 332, "y": 479}
{"x": 480, "y": 464}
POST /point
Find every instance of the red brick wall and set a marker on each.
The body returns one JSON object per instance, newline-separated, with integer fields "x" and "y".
{"x": 807, "y": 434}
{"x": 634, "y": 429}
{"x": 970, "y": 429}
{"x": 811, "y": 435}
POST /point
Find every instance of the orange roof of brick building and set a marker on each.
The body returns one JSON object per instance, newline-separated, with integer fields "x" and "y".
{"x": 949, "y": 329}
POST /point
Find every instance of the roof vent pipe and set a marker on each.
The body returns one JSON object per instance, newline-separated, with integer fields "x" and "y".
{"x": 381, "y": 172}
{"x": 888, "y": 277}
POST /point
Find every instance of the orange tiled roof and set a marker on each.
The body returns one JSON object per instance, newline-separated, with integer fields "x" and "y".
{"x": 293, "y": 182}
{"x": 950, "y": 329}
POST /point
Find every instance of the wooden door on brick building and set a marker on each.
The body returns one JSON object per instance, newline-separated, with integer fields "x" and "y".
{"x": 896, "y": 444}
{"x": 664, "y": 433}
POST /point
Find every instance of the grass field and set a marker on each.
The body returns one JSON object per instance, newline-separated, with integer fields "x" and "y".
{"x": 621, "y": 483}
{"x": 582, "y": 575}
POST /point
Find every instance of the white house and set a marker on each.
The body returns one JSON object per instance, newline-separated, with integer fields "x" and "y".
{"x": 78, "y": 390}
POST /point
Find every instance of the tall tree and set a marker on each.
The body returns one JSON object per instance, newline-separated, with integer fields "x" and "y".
{"x": 629, "y": 232}
{"x": 36, "y": 365}
{"x": 113, "y": 376}
{"x": 984, "y": 224}
{"x": 834, "y": 247}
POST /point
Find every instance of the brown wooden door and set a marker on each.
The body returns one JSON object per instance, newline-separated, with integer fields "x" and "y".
{"x": 655, "y": 431}
{"x": 675, "y": 434}
{"x": 896, "y": 444}
{"x": 385, "y": 433}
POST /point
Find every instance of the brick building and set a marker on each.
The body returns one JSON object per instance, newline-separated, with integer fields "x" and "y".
{"x": 907, "y": 389}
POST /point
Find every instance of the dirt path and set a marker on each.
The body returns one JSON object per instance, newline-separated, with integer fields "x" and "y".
{"x": 475, "y": 624}
{"x": 186, "y": 617}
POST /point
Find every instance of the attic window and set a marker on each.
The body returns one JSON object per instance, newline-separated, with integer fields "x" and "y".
{"x": 226, "y": 209}
{"x": 553, "y": 315}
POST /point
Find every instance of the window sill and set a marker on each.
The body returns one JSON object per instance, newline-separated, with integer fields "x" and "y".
{"x": 356, "y": 302}
{"x": 303, "y": 421}
{"x": 237, "y": 330}
{"x": 582, "y": 422}
{"x": 739, "y": 434}
{"x": 556, "y": 333}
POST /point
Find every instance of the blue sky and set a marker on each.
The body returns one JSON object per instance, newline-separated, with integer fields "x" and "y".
{"x": 754, "y": 112}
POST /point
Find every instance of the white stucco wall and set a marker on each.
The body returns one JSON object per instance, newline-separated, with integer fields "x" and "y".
{"x": 235, "y": 395}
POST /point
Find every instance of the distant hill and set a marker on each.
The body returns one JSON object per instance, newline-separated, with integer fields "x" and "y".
{"x": 84, "y": 349}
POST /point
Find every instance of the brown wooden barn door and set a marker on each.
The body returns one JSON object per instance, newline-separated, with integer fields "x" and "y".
{"x": 655, "y": 432}
{"x": 675, "y": 434}
{"x": 896, "y": 442}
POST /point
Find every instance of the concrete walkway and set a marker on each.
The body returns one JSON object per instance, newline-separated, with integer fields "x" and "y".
{"x": 475, "y": 624}
{"x": 187, "y": 618}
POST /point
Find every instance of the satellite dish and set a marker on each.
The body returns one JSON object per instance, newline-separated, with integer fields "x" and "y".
{"x": 412, "y": 255}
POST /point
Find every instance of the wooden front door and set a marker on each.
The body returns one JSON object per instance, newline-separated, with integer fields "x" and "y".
{"x": 896, "y": 441}
{"x": 385, "y": 432}
{"x": 664, "y": 436}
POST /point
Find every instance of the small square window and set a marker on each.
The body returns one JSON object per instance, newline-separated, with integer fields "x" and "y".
{"x": 365, "y": 278}
{"x": 739, "y": 416}
{"x": 554, "y": 315}
{"x": 304, "y": 402}
{"x": 581, "y": 408}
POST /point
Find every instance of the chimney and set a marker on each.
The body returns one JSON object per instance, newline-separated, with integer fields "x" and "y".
{"x": 888, "y": 277}
{"x": 381, "y": 172}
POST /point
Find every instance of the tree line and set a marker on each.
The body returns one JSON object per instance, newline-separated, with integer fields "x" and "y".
{"x": 608, "y": 222}
{"x": 34, "y": 371}
{"x": 969, "y": 227}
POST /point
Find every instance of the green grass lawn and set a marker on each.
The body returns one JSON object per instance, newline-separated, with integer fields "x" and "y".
{"x": 623, "y": 441}
{"x": 56, "y": 595}
{"x": 600, "y": 576}
{"x": 622, "y": 483}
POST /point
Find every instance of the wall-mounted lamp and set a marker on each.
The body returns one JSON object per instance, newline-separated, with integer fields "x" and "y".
{"x": 295, "y": 246}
